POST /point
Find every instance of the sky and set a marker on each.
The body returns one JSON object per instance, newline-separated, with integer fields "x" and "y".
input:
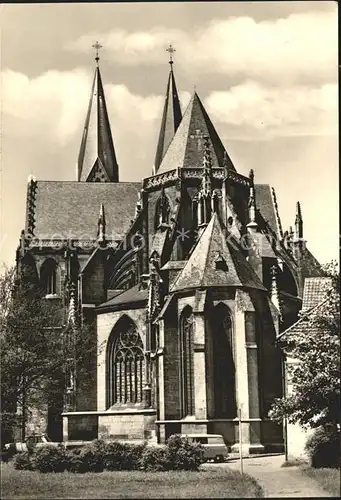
{"x": 265, "y": 71}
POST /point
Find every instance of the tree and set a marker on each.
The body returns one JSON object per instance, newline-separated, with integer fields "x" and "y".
{"x": 315, "y": 400}
{"x": 39, "y": 347}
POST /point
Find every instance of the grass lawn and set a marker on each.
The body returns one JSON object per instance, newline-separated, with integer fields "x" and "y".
{"x": 328, "y": 479}
{"x": 214, "y": 483}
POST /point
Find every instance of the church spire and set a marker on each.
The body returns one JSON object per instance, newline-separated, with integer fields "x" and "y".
{"x": 97, "y": 160}
{"x": 171, "y": 116}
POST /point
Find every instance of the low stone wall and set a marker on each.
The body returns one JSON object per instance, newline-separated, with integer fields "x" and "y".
{"x": 131, "y": 424}
{"x": 137, "y": 425}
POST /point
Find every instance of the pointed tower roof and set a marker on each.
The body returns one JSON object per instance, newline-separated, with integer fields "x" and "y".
{"x": 215, "y": 262}
{"x": 186, "y": 148}
{"x": 97, "y": 159}
{"x": 171, "y": 116}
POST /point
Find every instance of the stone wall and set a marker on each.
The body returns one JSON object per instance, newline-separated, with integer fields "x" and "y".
{"x": 139, "y": 425}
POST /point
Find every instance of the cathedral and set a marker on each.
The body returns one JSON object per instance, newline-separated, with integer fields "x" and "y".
{"x": 187, "y": 275}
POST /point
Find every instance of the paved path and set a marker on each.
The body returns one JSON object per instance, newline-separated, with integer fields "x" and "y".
{"x": 278, "y": 481}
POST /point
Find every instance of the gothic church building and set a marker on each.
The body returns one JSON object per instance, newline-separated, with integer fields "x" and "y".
{"x": 187, "y": 275}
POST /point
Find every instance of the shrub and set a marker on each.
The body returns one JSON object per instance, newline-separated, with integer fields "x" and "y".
{"x": 154, "y": 459}
{"x": 323, "y": 448}
{"x": 92, "y": 457}
{"x": 115, "y": 456}
{"x": 74, "y": 462}
{"x": 50, "y": 459}
{"x": 181, "y": 454}
{"x": 23, "y": 461}
{"x": 134, "y": 455}
{"x": 122, "y": 456}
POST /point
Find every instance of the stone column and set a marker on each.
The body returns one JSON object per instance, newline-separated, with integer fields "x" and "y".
{"x": 247, "y": 372}
{"x": 199, "y": 367}
{"x": 161, "y": 380}
{"x": 199, "y": 346}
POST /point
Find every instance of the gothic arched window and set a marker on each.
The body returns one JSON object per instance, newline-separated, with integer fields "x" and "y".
{"x": 48, "y": 277}
{"x": 126, "y": 365}
{"x": 187, "y": 362}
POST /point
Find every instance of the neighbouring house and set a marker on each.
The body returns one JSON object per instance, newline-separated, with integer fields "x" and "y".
{"x": 314, "y": 296}
{"x": 187, "y": 273}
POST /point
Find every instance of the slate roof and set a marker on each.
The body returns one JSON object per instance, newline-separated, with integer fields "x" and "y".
{"x": 200, "y": 269}
{"x": 265, "y": 204}
{"x": 309, "y": 265}
{"x": 264, "y": 246}
{"x": 158, "y": 242}
{"x": 171, "y": 119}
{"x": 186, "y": 150}
{"x": 174, "y": 264}
{"x": 132, "y": 296}
{"x": 97, "y": 143}
{"x": 70, "y": 209}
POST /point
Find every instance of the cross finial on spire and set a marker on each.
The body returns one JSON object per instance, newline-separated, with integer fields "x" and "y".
{"x": 171, "y": 51}
{"x": 97, "y": 46}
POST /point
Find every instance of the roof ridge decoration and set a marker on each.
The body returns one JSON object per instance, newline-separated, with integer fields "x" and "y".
{"x": 97, "y": 150}
{"x": 171, "y": 116}
{"x": 186, "y": 148}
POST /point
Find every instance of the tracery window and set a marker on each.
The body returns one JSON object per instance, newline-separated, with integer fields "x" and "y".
{"x": 48, "y": 277}
{"x": 126, "y": 359}
{"x": 187, "y": 362}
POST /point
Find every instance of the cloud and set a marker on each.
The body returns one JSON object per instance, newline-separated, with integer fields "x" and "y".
{"x": 300, "y": 47}
{"x": 266, "y": 112}
{"x": 53, "y": 106}
{"x": 50, "y": 104}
